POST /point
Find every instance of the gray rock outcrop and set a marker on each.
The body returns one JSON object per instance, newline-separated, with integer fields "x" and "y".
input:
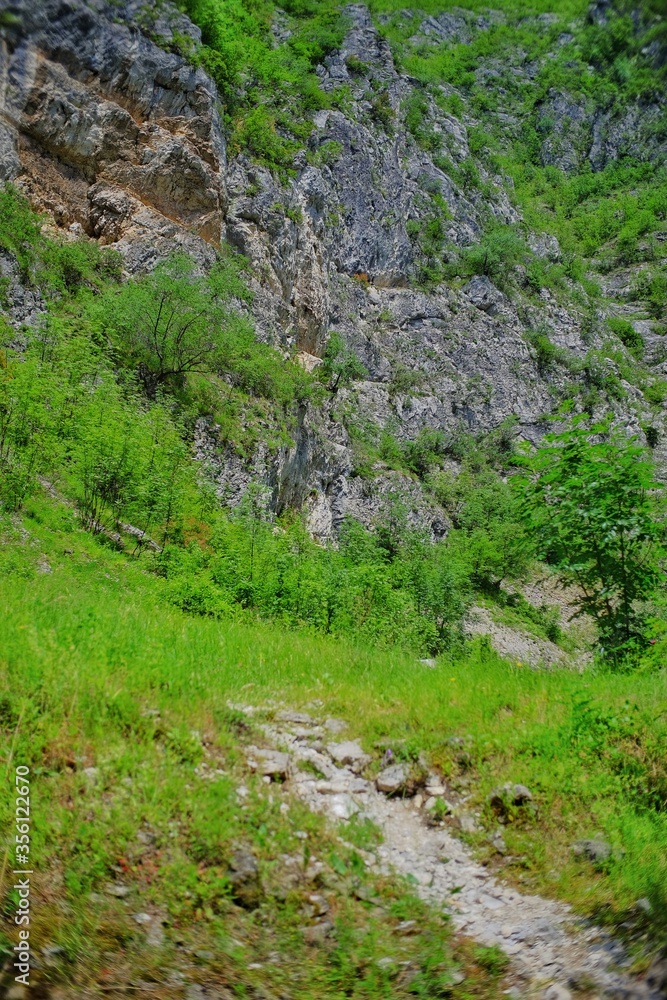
{"x": 118, "y": 138}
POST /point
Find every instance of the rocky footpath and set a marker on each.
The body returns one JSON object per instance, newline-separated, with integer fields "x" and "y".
{"x": 552, "y": 953}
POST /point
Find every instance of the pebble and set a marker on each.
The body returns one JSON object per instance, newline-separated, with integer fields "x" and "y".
{"x": 335, "y": 725}
{"x": 407, "y": 927}
{"x": 117, "y": 890}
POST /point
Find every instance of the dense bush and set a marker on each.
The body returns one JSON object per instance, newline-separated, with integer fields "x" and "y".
{"x": 496, "y": 254}
{"x": 66, "y": 416}
{"x": 340, "y": 365}
{"x": 173, "y": 321}
{"x": 386, "y": 587}
{"x": 628, "y": 336}
{"x": 594, "y": 510}
{"x": 70, "y": 405}
{"x": 56, "y": 266}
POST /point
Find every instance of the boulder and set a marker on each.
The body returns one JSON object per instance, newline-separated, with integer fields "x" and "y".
{"x": 521, "y": 795}
{"x": 349, "y": 753}
{"x": 318, "y": 933}
{"x": 271, "y": 763}
{"x": 343, "y": 806}
{"x": 335, "y": 725}
{"x": 117, "y": 890}
{"x": 298, "y": 718}
{"x": 594, "y": 850}
{"x": 465, "y": 822}
{"x": 394, "y": 779}
{"x": 483, "y": 294}
{"x": 507, "y": 795}
{"x": 497, "y": 841}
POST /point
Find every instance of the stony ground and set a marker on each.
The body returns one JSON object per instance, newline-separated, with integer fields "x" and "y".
{"x": 552, "y": 952}
{"x": 512, "y": 643}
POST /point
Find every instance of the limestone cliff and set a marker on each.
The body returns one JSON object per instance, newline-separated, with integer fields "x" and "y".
{"x": 118, "y": 137}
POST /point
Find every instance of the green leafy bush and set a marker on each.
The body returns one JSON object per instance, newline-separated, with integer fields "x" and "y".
{"x": 56, "y": 266}
{"x": 340, "y": 365}
{"x": 628, "y": 336}
{"x": 417, "y": 122}
{"x": 590, "y": 501}
{"x": 269, "y": 88}
{"x": 173, "y": 321}
{"x": 495, "y": 255}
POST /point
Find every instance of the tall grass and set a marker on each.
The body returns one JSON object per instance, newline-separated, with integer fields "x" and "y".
{"x": 90, "y": 647}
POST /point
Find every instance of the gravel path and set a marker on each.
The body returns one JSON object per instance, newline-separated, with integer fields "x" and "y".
{"x": 551, "y": 953}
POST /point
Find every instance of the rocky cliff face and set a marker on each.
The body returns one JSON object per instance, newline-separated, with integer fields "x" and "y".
{"x": 115, "y": 136}
{"x": 109, "y": 133}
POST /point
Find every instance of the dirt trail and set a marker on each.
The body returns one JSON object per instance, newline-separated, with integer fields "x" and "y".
{"x": 551, "y": 952}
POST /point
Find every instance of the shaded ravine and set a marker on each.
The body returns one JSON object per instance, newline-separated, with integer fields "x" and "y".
{"x": 550, "y": 949}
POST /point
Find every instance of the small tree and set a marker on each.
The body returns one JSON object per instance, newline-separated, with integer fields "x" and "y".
{"x": 254, "y": 514}
{"x": 173, "y": 321}
{"x": 592, "y": 507}
{"x": 340, "y": 365}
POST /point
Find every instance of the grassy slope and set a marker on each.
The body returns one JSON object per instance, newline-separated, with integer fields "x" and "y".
{"x": 87, "y": 649}
{"x": 90, "y": 646}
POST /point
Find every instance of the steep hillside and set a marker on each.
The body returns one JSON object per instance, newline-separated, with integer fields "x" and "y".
{"x": 485, "y": 236}
{"x": 332, "y": 534}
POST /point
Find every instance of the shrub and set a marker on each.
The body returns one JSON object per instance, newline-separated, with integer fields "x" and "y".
{"x": 494, "y": 256}
{"x": 652, "y": 287}
{"x": 590, "y": 501}
{"x": 327, "y": 153}
{"x": 416, "y": 109}
{"x": 382, "y": 111}
{"x": 548, "y": 355}
{"x": 20, "y": 229}
{"x": 340, "y": 365}
{"x": 356, "y": 66}
{"x": 628, "y": 336}
{"x": 60, "y": 266}
{"x": 174, "y": 321}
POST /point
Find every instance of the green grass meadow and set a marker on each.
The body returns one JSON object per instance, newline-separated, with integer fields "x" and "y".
{"x": 98, "y": 670}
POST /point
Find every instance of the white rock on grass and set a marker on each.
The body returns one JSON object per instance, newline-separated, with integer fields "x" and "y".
{"x": 271, "y": 763}
{"x": 343, "y": 806}
{"x": 117, "y": 890}
{"x": 350, "y": 753}
{"x": 335, "y": 725}
{"x": 393, "y": 779}
{"x": 299, "y": 718}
